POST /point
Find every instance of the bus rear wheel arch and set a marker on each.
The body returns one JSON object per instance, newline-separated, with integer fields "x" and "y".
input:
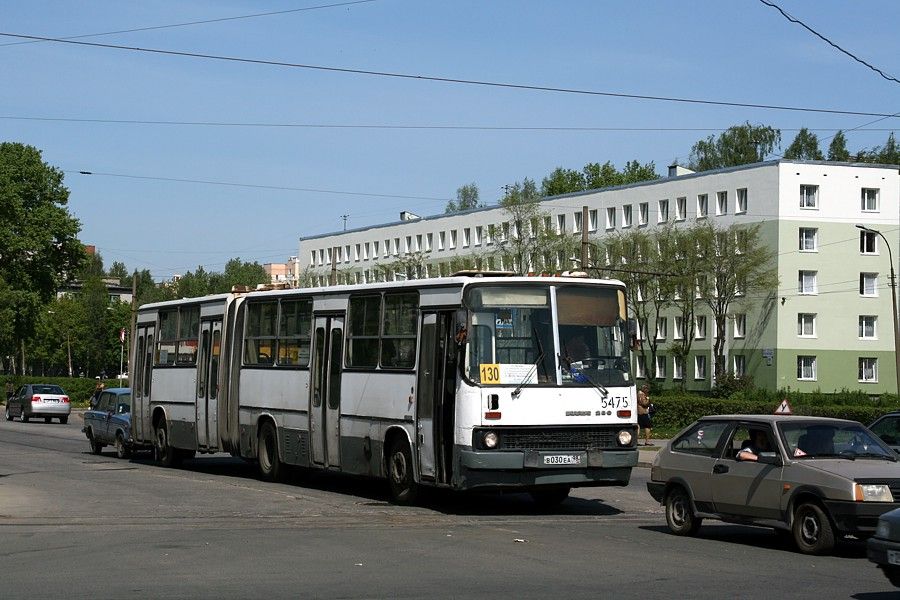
{"x": 270, "y": 466}
{"x": 401, "y": 470}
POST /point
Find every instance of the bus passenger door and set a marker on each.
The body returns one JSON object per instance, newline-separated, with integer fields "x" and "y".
{"x": 208, "y": 383}
{"x": 325, "y": 391}
{"x": 425, "y": 397}
{"x": 140, "y": 383}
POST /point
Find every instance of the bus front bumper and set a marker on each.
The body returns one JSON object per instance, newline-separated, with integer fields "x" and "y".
{"x": 535, "y": 468}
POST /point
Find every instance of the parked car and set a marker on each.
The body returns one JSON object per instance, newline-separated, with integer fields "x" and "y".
{"x": 884, "y": 547}
{"x": 814, "y": 478}
{"x": 887, "y": 427}
{"x": 109, "y": 422}
{"x": 39, "y": 400}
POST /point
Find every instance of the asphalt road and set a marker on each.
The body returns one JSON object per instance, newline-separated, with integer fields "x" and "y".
{"x": 75, "y": 525}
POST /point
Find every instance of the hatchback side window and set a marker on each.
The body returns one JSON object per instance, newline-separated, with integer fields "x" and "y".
{"x": 757, "y": 438}
{"x": 106, "y": 403}
{"x": 702, "y": 438}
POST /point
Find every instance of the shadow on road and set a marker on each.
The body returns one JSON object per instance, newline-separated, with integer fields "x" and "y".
{"x": 374, "y": 492}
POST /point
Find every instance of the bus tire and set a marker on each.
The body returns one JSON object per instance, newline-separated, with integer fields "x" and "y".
{"x": 270, "y": 466}
{"x": 401, "y": 479}
{"x": 166, "y": 455}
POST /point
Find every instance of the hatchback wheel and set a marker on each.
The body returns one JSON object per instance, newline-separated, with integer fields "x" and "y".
{"x": 812, "y": 529}
{"x": 679, "y": 514}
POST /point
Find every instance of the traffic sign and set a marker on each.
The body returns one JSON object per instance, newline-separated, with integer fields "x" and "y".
{"x": 784, "y": 408}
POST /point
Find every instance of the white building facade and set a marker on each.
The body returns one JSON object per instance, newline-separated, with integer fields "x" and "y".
{"x": 828, "y": 326}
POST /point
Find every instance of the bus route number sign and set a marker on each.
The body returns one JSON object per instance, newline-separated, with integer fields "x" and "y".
{"x": 490, "y": 373}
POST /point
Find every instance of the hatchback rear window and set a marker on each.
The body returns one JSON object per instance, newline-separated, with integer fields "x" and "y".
{"x": 702, "y": 438}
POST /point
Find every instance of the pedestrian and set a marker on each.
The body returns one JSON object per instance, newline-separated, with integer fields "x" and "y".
{"x": 10, "y": 390}
{"x": 98, "y": 389}
{"x": 643, "y": 410}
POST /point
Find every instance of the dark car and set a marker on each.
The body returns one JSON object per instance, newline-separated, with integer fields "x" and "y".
{"x": 884, "y": 547}
{"x": 109, "y": 422}
{"x": 39, "y": 401}
{"x": 814, "y": 478}
{"x": 887, "y": 427}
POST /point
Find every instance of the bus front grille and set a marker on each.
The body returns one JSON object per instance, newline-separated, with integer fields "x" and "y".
{"x": 557, "y": 439}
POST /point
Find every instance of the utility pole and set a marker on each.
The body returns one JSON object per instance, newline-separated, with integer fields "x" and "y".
{"x": 345, "y": 217}
{"x": 584, "y": 238}
{"x": 334, "y": 251}
{"x": 131, "y": 357}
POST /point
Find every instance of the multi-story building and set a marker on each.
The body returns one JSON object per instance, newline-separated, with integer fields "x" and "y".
{"x": 828, "y": 325}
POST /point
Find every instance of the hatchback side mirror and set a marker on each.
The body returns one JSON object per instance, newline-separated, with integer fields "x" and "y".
{"x": 770, "y": 458}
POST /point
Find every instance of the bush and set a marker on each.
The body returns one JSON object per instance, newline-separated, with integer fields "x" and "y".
{"x": 79, "y": 389}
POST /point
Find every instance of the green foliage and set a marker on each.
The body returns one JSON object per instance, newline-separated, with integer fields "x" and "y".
{"x": 678, "y": 410}
{"x": 119, "y": 271}
{"x": 237, "y": 272}
{"x": 79, "y": 389}
{"x": 595, "y": 176}
{"x": 837, "y": 150}
{"x": 466, "y": 199}
{"x": 804, "y": 147}
{"x": 737, "y": 145}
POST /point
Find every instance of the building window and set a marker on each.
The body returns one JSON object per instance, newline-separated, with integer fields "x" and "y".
{"x": 662, "y": 325}
{"x": 741, "y": 206}
{"x": 699, "y": 367}
{"x": 640, "y": 371}
{"x": 806, "y": 368}
{"x": 809, "y": 196}
{"x": 643, "y": 213}
{"x": 396, "y": 246}
{"x": 452, "y": 239}
{"x": 346, "y": 254}
{"x": 868, "y": 284}
{"x": 418, "y": 247}
{"x": 678, "y": 367}
{"x": 626, "y": 216}
{"x": 869, "y": 200}
{"x": 699, "y": 327}
{"x": 678, "y": 332}
{"x": 806, "y": 324}
{"x": 387, "y": 248}
{"x": 560, "y": 224}
{"x": 806, "y": 283}
{"x": 680, "y": 209}
{"x": 721, "y": 203}
{"x": 407, "y": 245}
{"x": 740, "y": 325}
{"x": 429, "y": 240}
{"x": 660, "y": 367}
{"x": 576, "y": 223}
{"x": 868, "y": 242}
{"x": 442, "y": 238}
{"x": 611, "y": 218}
{"x": 489, "y": 235}
{"x": 592, "y": 220}
{"x": 702, "y": 206}
{"x": 663, "y": 214}
{"x": 740, "y": 365}
{"x": 809, "y": 239}
{"x": 867, "y": 325}
{"x": 477, "y": 240}
{"x": 868, "y": 370}
{"x": 467, "y": 237}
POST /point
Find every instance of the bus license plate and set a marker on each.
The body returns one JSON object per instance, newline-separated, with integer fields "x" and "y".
{"x": 562, "y": 459}
{"x": 893, "y": 557}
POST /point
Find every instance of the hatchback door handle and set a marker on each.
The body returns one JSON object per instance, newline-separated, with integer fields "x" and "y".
{"x": 719, "y": 469}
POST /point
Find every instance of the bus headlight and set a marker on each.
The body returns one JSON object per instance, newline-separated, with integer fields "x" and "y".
{"x": 866, "y": 492}
{"x": 624, "y": 438}
{"x": 490, "y": 439}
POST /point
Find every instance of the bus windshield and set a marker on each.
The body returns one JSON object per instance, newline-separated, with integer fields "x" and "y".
{"x": 512, "y": 341}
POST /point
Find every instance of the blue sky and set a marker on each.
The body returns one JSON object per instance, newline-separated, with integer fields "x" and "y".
{"x": 735, "y": 51}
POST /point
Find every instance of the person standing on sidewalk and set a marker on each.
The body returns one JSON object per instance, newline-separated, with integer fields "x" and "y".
{"x": 643, "y": 410}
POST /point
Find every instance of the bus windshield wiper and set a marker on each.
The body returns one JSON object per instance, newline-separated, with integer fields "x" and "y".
{"x": 581, "y": 372}
{"x": 540, "y": 359}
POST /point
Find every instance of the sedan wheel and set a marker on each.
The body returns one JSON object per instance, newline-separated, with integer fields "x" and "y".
{"x": 679, "y": 513}
{"x": 812, "y": 530}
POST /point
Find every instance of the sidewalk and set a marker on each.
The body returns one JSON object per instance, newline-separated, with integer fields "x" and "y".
{"x": 646, "y": 454}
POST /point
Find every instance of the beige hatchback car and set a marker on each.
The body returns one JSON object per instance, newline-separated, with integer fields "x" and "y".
{"x": 813, "y": 478}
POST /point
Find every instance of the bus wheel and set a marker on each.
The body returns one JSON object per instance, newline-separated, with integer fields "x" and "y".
{"x": 550, "y": 497}
{"x": 400, "y": 473}
{"x": 166, "y": 455}
{"x": 270, "y": 466}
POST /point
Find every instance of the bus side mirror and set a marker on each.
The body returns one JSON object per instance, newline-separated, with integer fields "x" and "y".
{"x": 460, "y": 328}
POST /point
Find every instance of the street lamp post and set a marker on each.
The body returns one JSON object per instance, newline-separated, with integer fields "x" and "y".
{"x": 893, "y": 305}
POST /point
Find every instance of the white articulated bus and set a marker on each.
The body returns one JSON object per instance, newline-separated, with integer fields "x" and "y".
{"x": 491, "y": 382}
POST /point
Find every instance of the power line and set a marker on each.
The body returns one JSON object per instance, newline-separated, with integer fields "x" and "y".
{"x": 254, "y": 186}
{"x": 475, "y": 82}
{"x": 412, "y": 127}
{"x": 827, "y": 41}
{"x": 204, "y": 22}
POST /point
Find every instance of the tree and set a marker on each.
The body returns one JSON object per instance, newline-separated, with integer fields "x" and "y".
{"x": 39, "y": 247}
{"x": 119, "y": 271}
{"x": 194, "y": 285}
{"x": 889, "y": 154}
{"x": 837, "y": 150}
{"x": 408, "y": 266}
{"x": 635, "y": 172}
{"x": 804, "y": 147}
{"x": 737, "y": 265}
{"x": 562, "y": 181}
{"x": 737, "y": 145}
{"x": 466, "y": 199}
{"x": 237, "y": 272}
{"x": 148, "y": 291}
